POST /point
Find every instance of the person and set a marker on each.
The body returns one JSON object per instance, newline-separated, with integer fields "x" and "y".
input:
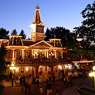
{"x": 33, "y": 80}
{"x": 57, "y": 88}
{"x": 22, "y": 88}
{"x": 37, "y": 82}
{"x": 29, "y": 88}
{"x": 49, "y": 89}
{"x": 70, "y": 80}
{"x": 12, "y": 81}
{"x": 26, "y": 87}
{"x": 46, "y": 81}
{"x": 20, "y": 80}
{"x": 23, "y": 79}
{"x": 41, "y": 90}
{"x": 54, "y": 78}
{"x": 64, "y": 80}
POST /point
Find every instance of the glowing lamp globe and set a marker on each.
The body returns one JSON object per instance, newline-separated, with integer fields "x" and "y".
{"x": 93, "y": 67}
{"x": 79, "y": 39}
{"x": 91, "y": 74}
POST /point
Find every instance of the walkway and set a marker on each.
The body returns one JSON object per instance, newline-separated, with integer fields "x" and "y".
{"x": 36, "y": 90}
{"x": 73, "y": 90}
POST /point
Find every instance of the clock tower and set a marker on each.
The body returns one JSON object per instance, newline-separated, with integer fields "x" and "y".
{"x": 37, "y": 27}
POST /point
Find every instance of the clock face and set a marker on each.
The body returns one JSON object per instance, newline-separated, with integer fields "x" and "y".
{"x": 40, "y": 29}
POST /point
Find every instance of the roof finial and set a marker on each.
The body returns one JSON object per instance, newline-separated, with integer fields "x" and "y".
{"x": 37, "y": 7}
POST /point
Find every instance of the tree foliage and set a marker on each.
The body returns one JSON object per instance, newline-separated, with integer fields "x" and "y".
{"x": 87, "y": 31}
{"x": 14, "y": 32}
{"x": 22, "y": 34}
{"x": 3, "y": 63}
{"x": 66, "y": 37}
{"x": 4, "y": 33}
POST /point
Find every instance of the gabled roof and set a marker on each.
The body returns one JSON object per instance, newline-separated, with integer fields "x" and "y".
{"x": 42, "y": 44}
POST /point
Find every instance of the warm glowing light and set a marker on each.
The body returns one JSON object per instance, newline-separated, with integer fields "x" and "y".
{"x": 27, "y": 69}
{"x": 40, "y": 66}
{"x": 91, "y": 74}
{"x": 69, "y": 66}
{"x": 79, "y": 39}
{"x": 30, "y": 67}
{"x": 66, "y": 66}
{"x": 51, "y": 54}
{"x": 93, "y": 67}
{"x": 12, "y": 64}
{"x": 40, "y": 50}
{"x": 12, "y": 68}
{"x": 17, "y": 69}
{"x": 60, "y": 67}
{"x": 33, "y": 54}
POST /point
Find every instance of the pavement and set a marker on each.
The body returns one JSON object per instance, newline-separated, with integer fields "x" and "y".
{"x": 73, "y": 90}
{"x": 35, "y": 90}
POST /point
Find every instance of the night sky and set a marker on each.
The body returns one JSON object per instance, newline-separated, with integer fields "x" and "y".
{"x": 19, "y": 14}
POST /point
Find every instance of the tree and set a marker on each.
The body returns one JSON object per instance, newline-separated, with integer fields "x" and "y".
{"x": 66, "y": 37}
{"x": 14, "y": 32}
{"x": 48, "y": 34}
{"x": 3, "y": 67}
{"x": 3, "y": 63}
{"x": 87, "y": 31}
{"x": 22, "y": 34}
{"x": 4, "y": 33}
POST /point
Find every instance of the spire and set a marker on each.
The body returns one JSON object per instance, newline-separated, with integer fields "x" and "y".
{"x": 37, "y": 18}
{"x": 37, "y": 7}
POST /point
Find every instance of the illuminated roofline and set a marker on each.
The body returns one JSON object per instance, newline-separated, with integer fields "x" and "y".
{"x": 40, "y": 42}
{"x": 54, "y": 39}
{"x": 15, "y": 36}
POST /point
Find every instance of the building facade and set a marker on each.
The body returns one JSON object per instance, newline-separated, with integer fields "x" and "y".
{"x": 34, "y": 57}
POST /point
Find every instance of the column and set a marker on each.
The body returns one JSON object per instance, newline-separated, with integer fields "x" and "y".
{"x": 32, "y": 53}
{"x": 55, "y": 53}
{"x": 13, "y": 54}
{"x": 52, "y": 72}
{"x": 22, "y": 53}
{"x": 36, "y": 71}
{"x": 45, "y": 68}
{"x": 47, "y": 54}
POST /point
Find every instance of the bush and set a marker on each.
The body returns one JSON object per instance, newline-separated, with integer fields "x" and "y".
{"x": 1, "y": 90}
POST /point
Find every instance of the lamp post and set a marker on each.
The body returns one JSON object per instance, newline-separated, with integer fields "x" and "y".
{"x": 92, "y": 74}
{"x": 36, "y": 60}
{"x": 79, "y": 40}
{"x": 12, "y": 68}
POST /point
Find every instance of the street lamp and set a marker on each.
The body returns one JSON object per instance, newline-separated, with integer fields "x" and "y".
{"x": 79, "y": 40}
{"x": 92, "y": 74}
{"x": 12, "y": 68}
